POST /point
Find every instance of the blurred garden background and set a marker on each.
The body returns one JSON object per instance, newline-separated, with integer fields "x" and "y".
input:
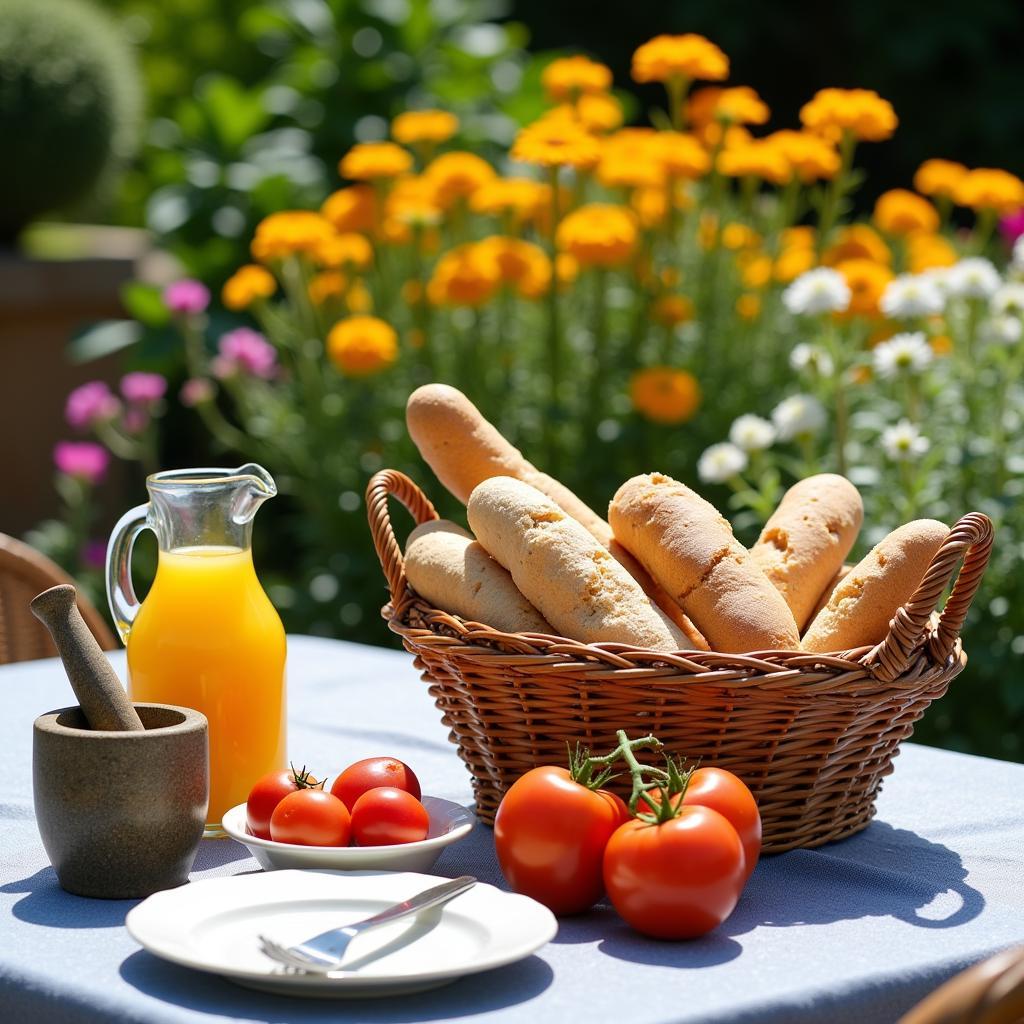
{"x": 222, "y": 239}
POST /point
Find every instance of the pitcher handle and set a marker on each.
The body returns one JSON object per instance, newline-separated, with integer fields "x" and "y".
{"x": 124, "y": 605}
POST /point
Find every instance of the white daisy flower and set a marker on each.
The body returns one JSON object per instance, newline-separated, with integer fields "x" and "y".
{"x": 912, "y": 295}
{"x": 752, "y": 433}
{"x": 904, "y": 442}
{"x": 1017, "y": 260}
{"x": 798, "y": 416}
{"x": 822, "y": 290}
{"x": 902, "y": 354}
{"x": 973, "y": 278}
{"x": 811, "y": 359}
{"x": 1002, "y": 330}
{"x": 1009, "y": 298}
{"x": 721, "y": 462}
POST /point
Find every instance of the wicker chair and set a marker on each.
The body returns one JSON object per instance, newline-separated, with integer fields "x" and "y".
{"x": 991, "y": 992}
{"x": 24, "y": 572}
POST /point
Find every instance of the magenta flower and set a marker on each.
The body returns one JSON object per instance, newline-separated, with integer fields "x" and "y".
{"x": 84, "y": 460}
{"x": 135, "y": 419}
{"x": 245, "y": 351}
{"x": 186, "y": 297}
{"x": 1012, "y": 226}
{"x": 90, "y": 404}
{"x": 195, "y": 391}
{"x": 143, "y": 388}
{"x": 93, "y": 554}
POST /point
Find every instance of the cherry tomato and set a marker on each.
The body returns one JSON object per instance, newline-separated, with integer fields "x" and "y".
{"x": 311, "y": 817}
{"x": 727, "y": 794}
{"x": 370, "y": 773}
{"x": 386, "y": 816}
{"x": 678, "y": 879}
{"x": 268, "y": 792}
{"x": 550, "y": 834}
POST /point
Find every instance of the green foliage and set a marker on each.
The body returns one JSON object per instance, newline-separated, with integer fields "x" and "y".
{"x": 69, "y": 106}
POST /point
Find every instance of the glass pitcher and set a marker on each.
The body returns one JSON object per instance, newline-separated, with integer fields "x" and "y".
{"x": 206, "y": 636}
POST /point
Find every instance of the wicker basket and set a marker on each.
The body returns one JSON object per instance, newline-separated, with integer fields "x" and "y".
{"x": 812, "y": 735}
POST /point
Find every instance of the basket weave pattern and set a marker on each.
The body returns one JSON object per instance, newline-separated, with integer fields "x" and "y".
{"x": 812, "y": 735}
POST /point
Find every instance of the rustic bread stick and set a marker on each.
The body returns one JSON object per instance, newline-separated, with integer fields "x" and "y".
{"x": 688, "y": 547}
{"x": 464, "y": 449}
{"x": 563, "y": 571}
{"x": 862, "y": 606}
{"x": 452, "y": 571}
{"x": 804, "y": 542}
{"x": 826, "y": 594}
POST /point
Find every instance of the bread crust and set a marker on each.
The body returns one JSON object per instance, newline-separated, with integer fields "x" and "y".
{"x": 804, "y": 543}
{"x": 688, "y": 547}
{"x": 863, "y": 604}
{"x": 449, "y": 569}
{"x": 560, "y": 567}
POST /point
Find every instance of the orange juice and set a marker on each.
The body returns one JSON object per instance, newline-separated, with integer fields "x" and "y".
{"x": 207, "y": 637}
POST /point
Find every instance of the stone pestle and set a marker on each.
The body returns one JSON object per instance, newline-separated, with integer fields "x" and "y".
{"x": 102, "y": 698}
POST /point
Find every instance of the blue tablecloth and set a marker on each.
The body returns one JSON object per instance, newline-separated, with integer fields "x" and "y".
{"x": 856, "y": 931}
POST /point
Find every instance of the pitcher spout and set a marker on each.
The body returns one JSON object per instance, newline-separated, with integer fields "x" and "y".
{"x": 256, "y": 485}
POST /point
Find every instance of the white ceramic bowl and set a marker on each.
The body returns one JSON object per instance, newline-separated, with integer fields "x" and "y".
{"x": 449, "y": 822}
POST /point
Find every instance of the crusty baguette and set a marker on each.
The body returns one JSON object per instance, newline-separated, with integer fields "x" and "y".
{"x": 464, "y": 449}
{"x": 826, "y": 594}
{"x": 862, "y": 606}
{"x": 452, "y": 571}
{"x": 688, "y": 547}
{"x": 563, "y": 571}
{"x": 804, "y": 542}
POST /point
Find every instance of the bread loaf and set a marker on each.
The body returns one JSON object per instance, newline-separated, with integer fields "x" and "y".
{"x": 563, "y": 571}
{"x": 804, "y": 543}
{"x": 862, "y": 606}
{"x": 830, "y": 587}
{"x": 688, "y": 547}
{"x": 448, "y": 568}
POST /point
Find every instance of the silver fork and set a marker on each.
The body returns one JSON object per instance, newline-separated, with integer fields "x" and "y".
{"x": 324, "y": 953}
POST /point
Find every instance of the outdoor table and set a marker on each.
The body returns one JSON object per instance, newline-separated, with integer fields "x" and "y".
{"x": 858, "y": 930}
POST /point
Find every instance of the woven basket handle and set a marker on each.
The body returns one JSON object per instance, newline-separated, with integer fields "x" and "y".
{"x": 383, "y": 485}
{"x": 970, "y": 540}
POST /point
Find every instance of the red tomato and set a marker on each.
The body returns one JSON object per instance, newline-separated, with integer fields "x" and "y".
{"x": 267, "y": 794}
{"x": 371, "y": 773}
{"x": 386, "y": 816}
{"x": 726, "y": 793}
{"x": 550, "y": 834}
{"x": 311, "y": 817}
{"x": 678, "y": 879}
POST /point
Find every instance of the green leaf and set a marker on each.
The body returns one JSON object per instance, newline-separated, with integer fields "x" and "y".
{"x": 233, "y": 113}
{"x": 145, "y": 303}
{"x": 103, "y": 339}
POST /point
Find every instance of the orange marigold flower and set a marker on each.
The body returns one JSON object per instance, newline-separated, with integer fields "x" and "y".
{"x": 722, "y": 136}
{"x": 629, "y": 159}
{"x": 739, "y": 104}
{"x": 860, "y": 112}
{"x": 599, "y": 112}
{"x": 740, "y": 236}
{"x": 556, "y": 142}
{"x": 755, "y": 269}
{"x": 988, "y": 188}
{"x": 810, "y": 157}
{"x": 926, "y": 251}
{"x": 569, "y": 77}
{"x": 370, "y": 161}
{"x": 793, "y": 261}
{"x": 748, "y": 306}
{"x": 670, "y": 310}
{"x": 866, "y": 280}
{"x": 467, "y": 275}
{"x": 598, "y": 235}
{"x": 681, "y": 155}
{"x": 758, "y": 159}
{"x": 520, "y": 198}
{"x": 942, "y": 344}
{"x": 650, "y": 206}
{"x": 290, "y": 233}
{"x": 327, "y": 285}
{"x": 684, "y": 57}
{"x": 900, "y": 212}
{"x": 567, "y": 269}
{"x": 351, "y": 209}
{"x": 665, "y": 395}
{"x": 802, "y": 235}
{"x": 414, "y": 201}
{"x": 456, "y": 176}
{"x": 939, "y": 178}
{"x": 358, "y": 298}
{"x": 429, "y": 126}
{"x": 857, "y": 242}
{"x": 521, "y": 264}
{"x": 247, "y": 285}
{"x": 350, "y": 251}
{"x": 362, "y": 345}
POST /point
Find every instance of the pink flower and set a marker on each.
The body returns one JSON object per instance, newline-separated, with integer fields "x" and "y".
{"x": 93, "y": 554}
{"x": 1012, "y": 226}
{"x": 135, "y": 419}
{"x": 245, "y": 351}
{"x": 186, "y": 297}
{"x": 90, "y": 404}
{"x": 143, "y": 388}
{"x": 84, "y": 460}
{"x": 195, "y": 391}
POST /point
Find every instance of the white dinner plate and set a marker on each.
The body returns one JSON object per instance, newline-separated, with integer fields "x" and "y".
{"x": 449, "y": 822}
{"x": 213, "y": 926}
